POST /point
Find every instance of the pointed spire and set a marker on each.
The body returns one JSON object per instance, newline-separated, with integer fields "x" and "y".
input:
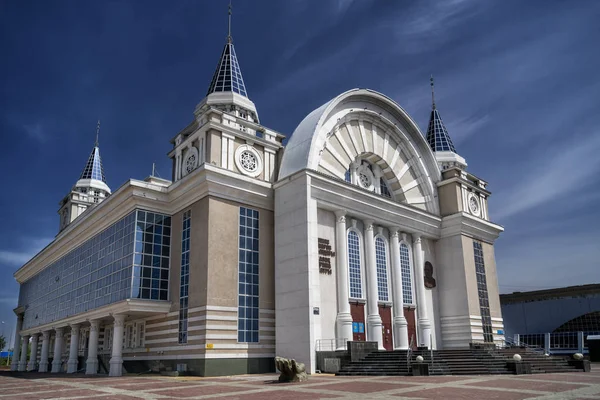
{"x": 228, "y": 75}
{"x": 97, "y": 133}
{"x": 432, "y": 92}
{"x": 437, "y": 134}
{"x": 229, "y": 38}
{"x": 93, "y": 168}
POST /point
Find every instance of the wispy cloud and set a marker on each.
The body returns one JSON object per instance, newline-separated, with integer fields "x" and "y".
{"x": 551, "y": 175}
{"x": 29, "y": 249}
{"x": 541, "y": 261}
{"x": 36, "y": 131}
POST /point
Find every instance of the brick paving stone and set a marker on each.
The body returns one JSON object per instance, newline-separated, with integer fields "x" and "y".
{"x": 576, "y": 377}
{"x": 152, "y": 385}
{"x": 114, "y": 397}
{"x": 57, "y": 395}
{"x": 27, "y": 387}
{"x": 528, "y": 385}
{"x": 453, "y": 393}
{"x": 281, "y": 395}
{"x": 423, "y": 379}
{"x": 362, "y": 386}
{"x": 199, "y": 391}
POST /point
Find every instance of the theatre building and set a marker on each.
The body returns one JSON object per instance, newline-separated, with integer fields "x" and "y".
{"x": 359, "y": 228}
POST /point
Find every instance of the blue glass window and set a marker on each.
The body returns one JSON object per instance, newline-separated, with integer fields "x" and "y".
{"x": 92, "y": 275}
{"x": 248, "y": 308}
{"x": 152, "y": 254}
{"x": 381, "y": 261}
{"x": 354, "y": 265}
{"x": 347, "y": 176}
{"x": 184, "y": 276}
{"x": 406, "y": 270}
{"x": 484, "y": 303}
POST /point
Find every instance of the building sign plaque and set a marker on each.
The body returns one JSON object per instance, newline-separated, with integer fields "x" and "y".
{"x": 325, "y": 255}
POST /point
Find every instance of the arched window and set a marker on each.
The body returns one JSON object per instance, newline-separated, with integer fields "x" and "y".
{"x": 354, "y": 265}
{"x": 385, "y": 192}
{"x": 347, "y": 176}
{"x": 381, "y": 261}
{"x": 407, "y": 293}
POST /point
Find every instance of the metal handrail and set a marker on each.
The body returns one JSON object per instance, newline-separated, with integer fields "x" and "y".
{"x": 409, "y": 352}
{"x": 515, "y": 343}
{"x": 330, "y": 344}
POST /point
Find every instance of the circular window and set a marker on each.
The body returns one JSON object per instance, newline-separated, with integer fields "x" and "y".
{"x": 190, "y": 161}
{"x": 364, "y": 179}
{"x": 474, "y": 204}
{"x": 248, "y": 161}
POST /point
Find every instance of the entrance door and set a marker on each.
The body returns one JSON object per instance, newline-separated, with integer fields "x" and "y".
{"x": 409, "y": 314}
{"x": 386, "y": 318}
{"x": 358, "y": 322}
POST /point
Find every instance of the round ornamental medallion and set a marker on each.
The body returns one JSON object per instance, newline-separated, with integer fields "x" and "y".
{"x": 364, "y": 179}
{"x": 474, "y": 204}
{"x": 248, "y": 161}
{"x": 190, "y": 163}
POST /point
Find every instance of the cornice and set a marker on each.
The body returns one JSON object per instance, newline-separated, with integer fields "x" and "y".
{"x": 465, "y": 224}
{"x": 464, "y": 182}
{"x": 334, "y": 194}
{"x": 124, "y": 307}
{"x": 207, "y": 180}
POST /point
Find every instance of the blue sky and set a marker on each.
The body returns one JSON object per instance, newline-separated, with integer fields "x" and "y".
{"x": 516, "y": 85}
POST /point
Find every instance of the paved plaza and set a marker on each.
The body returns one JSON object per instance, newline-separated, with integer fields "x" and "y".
{"x": 34, "y": 386}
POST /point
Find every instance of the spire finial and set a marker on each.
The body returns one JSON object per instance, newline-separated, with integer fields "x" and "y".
{"x": 432, "y": 92}
{"x": 97, "y": 133}
{"x": 229, "y": 38}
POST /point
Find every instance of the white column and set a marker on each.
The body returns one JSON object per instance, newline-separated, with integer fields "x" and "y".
{"x": 374, "y": 324}
{"x": 44, "y": 355}
{"x": 423, "y": 320}
{"x": 353, "y": 172}
{"x": 91, "y": 366}
{"x": 400, "y": 324}
{"x": 23, "y": 360}
{"x": 377, "y": 173}
{"x": 343, "y": 319}
{"x": 73, "y": 349}
{"x": 116, "y": 359}
{"x": 177, "y": 165}
{"x": 59, "y": 341}
{"x": 17, "y": 343}
{"x": 33, "y": 353}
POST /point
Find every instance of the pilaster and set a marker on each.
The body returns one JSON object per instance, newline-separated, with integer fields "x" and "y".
{"x": 374, "y": 324}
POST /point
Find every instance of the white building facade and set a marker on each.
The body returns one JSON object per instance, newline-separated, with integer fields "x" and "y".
{"x": 360, "y": 228}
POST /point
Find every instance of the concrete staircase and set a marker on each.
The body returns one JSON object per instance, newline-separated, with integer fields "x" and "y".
{"x": 453, "y": 362}
{"x": 540, "y": 363}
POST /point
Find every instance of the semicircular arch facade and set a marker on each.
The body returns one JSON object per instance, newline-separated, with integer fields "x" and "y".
{"x": 352, "y": 134}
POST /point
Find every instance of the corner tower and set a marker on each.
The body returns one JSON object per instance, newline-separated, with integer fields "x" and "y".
{"x": 439, "y": 140}
{"x": 90, "y": 189}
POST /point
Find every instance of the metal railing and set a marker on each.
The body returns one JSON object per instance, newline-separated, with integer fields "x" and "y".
{"x": 556, "y": 342}
{"x": 410, "y": 351}
{"x": 331, "y": 344}
{"x": 509, "y": 342}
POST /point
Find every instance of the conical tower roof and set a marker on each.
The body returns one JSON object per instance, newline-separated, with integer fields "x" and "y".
{"x": 228, "y": 75}
{"x": 439, "y": 140}
{"x": 93, "y": 169}
{"x": 437, "y": 134}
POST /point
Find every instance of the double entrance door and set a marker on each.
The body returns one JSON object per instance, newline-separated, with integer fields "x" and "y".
{"x": 357, "y": 310}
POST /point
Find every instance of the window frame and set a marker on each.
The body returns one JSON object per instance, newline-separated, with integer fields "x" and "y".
{"x": 386, "y": 246}
{"x": 361, "y": 249}
{"x": 411, "y": 266}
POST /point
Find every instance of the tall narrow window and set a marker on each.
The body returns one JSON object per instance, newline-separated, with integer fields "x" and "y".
{"x": 248, "y": 276}
{"x": 484, "y": 303}
{"x": 347, "y": 176}
{"x": 381, "y": 261}
{"x": 354, "y": 265}
{"x": 184, "y": 276}
{"x": 385, "y": 192}
{"x": 407, "y": 294}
